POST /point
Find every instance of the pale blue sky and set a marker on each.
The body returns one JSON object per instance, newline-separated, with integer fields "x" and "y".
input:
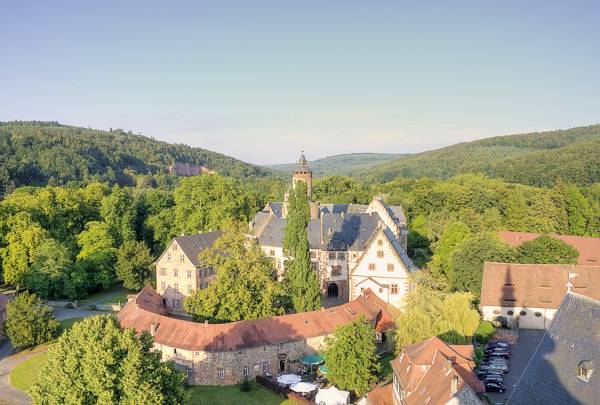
{"x": 258, "y": 80}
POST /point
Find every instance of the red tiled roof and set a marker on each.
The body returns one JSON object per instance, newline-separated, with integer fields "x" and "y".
{"x": 381, "y": 395}
{"x": 426, "y": 370}
{"x": 535, "y": 285}
{"x": 589, "y": 248}
{"x": 148, "y": 308}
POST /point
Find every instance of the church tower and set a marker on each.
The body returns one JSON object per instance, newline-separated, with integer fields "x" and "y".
{"x": 303, "y": 173}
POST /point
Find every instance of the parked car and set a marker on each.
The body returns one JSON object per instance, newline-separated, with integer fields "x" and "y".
{"x": 501, "y": 367}
{"x": 494, "y": 387}
{"x": 499, "y": 343}
{"x": 501, "y": 360}
{"x": 482, "y": 373}
{"x": 493, "y": 377}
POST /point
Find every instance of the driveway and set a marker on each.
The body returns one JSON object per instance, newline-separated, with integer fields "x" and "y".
{"x": 9, "y": 395}
{"x": 520, "y": 356}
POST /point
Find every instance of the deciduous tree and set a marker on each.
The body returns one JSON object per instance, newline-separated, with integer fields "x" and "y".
{"x": 95, "y": 362}
{"x": 29, "y": 322}
{"x": 546, "y": 249}
{"x": 350, "y": 357}
{"x": 133, "y": 265}
{"x": 245, "y": 287}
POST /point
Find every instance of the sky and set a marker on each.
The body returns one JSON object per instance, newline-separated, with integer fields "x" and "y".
{"x": 259, "y": 80}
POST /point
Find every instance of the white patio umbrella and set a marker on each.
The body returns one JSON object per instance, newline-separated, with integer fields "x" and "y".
{"x": 303, "y": 386}
{"x": 332, "y": 396}
{"x": 289, "y": 379}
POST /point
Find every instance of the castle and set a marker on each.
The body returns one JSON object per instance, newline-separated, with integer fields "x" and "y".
{"x": 353, "y": 248}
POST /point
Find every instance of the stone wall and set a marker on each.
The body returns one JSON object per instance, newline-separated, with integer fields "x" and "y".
{"x": 204, "y": 368}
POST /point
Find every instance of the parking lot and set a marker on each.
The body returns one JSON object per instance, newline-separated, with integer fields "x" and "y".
{"x": 520, "y": 355}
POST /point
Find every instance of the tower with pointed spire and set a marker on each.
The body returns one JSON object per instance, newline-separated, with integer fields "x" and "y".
{"x": 303, "y": 173}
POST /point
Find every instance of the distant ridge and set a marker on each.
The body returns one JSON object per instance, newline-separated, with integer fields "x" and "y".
{"x": 539, "y": 159}
{"x": 40, "y": 153}
{"x": 347, "y": 164}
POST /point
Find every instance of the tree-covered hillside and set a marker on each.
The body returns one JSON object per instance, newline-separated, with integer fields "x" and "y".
{"x": 541, "y": 159}
{"x": 40, "y": 153}
{"x": 347, "y": 164}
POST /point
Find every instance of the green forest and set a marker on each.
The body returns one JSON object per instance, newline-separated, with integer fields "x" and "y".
{"x": 537, "y": 159}
{"x": 70, "y": 227}
{"x": 48, "y": 153}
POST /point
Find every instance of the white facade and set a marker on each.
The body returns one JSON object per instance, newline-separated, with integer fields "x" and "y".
{"x": 529, "y": 318}
{"x": 381, "y": 269}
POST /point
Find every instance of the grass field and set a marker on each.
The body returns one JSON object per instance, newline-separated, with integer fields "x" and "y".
{"x": 113, "y": 295}
{"x": 26, "y": 373}
{"x": 230, "y": 395}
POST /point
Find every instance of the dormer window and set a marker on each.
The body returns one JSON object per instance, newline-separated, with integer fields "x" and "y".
{"x": 584, "y": 371}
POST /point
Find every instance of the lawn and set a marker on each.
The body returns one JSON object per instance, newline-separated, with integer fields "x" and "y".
{"x": 113, "y": 295}
{"x": 228, "y": 395}
{"x": 26, "y": 373}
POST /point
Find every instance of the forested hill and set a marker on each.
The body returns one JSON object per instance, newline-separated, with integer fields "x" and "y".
{"x": 540, "y": 159}
{"x": 348, "y": 164}
{"x": 39, "y": 153}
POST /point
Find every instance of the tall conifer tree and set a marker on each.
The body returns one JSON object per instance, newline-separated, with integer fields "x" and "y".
{"x": 301, "y": 281}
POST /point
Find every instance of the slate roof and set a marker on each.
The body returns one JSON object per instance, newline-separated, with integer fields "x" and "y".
{"x": 551, "y": 375}
{"x": 330, "y": 231}
{"x": 148, "y": 308}
{"x": 535, "y": 285}
{"x": 589, "y": 248}
{"x": 192, "y": 245}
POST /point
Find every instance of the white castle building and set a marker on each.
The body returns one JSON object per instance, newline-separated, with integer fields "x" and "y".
{"x": 353, "y": 248}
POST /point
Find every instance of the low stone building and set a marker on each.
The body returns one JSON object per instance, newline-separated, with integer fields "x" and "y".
{"x": 186, "y": 169}
{"x": 530, "y": 294}
{"x": 433, "y": 373}
{"x": 220, "y": 354}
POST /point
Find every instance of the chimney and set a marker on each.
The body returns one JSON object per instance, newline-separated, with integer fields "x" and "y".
{"x": 153, "y": 327}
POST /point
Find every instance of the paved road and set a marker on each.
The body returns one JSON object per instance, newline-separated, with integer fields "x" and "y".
{"x": 8, "y": 361}
{"x": 520, "y": 356}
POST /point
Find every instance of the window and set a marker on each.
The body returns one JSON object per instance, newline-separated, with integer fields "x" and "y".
{"x": 245, "y": 371}
{"x": 510, "y": 312}
{"x": 189, "y": 288}
{"x": 162, "y": 285}
{"x": 163, "y": 271}
{"x": 175, "y": 272}
{"x": 181, "y": 258}
{"x": 176, "y": 303}
{"x": 314, "y": 265}
{"x": 331, "y": 255}
{"x": 496, "y": 312}
{"x": 371, "y": 266}
{"x": 336, "y": 270}
{"x": 272, "y": 252}
{"x": 168, "y": 257}
{"x": 381, "y": 290}
{"x": 341, "y": 255}
{"x": 221, "y": 373}
{"x": 394, "y": 289}
{"x": 174, "y": 246}
{"x": 390, "y": 267}
{"x": 174, "y": 351}
{"x": 362, "y": 289}
{"x": 176, "y": 286}
{"x": 379, "y": 242}
{"x": 380, "y": 254}
{"x": 197, "y": 354}
{"x": 265, "y": 366}
{"x": 584, "y": 370}
{"x": 522, "y": 313}
{"x": 190, "y": 373}
{"x": 538, "y": 314}
{"x": 313, "y": 254}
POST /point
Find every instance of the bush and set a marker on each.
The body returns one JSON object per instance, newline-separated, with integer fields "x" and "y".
{"x": 478, "y": 355}
{"x": 246, "y": 386}
{"x": 484, "y": 332}
{"x": 29, "y": 322}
